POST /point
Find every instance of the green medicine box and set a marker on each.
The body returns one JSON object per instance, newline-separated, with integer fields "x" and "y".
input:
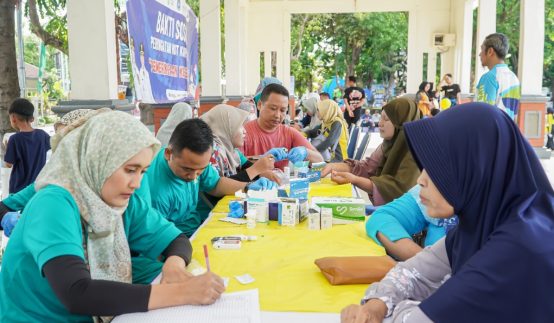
{"x": 345, "y": 210}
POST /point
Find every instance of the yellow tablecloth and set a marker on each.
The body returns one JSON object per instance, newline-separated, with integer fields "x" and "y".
{"x": 282, "y": 259}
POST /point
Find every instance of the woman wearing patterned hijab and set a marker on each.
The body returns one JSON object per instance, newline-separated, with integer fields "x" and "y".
{"x": 70, "y": 117}
{"x": 69, "y": 257}
{"x": 390, "y": 171}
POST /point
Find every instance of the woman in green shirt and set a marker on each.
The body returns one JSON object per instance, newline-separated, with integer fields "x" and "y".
{"x": 69, "y": 258}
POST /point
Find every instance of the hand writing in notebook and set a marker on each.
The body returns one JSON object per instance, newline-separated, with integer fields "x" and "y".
{"x": 204, "y": 289}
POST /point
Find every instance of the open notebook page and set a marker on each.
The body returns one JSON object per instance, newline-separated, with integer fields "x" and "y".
{"x": 239, "y": 307}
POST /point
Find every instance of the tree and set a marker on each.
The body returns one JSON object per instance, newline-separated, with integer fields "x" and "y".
{"x": 370, "y": 46}
{"x": 9, "y": 86}
{"x": 55, "y": 32}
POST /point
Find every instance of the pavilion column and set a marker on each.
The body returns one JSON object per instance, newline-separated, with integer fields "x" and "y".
{"x": 486, "y": 25}
{"x": 283, "y": 57}
{"x": 531, "y": 115}
{"x": 234, "y": 48}
{"x": 531, "y": 46}
{"x": 210, "y": 46}
{"x": 414, "y": 69}
{"x": 463, "y": 70}
{"x": 92, "y": 52}
{"x": 243, "y": 59}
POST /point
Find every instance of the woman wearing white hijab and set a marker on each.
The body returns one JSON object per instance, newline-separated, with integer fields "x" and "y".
{"x": 310, "y": 107}
{"x": 227, "y": 124}
{"x": 69, "y": 257}
{"x": 179, "y": 112}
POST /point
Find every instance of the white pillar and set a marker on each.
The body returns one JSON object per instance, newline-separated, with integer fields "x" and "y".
{"x": 486, "y": 25}
{"x": 92, "y": 54}
{"x": 414, "y": 69}
{"x": 531, "y": 46}
{"x": 210, "y": 47}
{"x": 464, "y": 41}
{"x": 431, "y": 66}
{"x": 234, "y": 48}
{"x": 243, "y": 63}
{"x": 283, "y": 57}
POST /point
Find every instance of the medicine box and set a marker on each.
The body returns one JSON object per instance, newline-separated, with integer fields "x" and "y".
{"x": 289, "y": 212}
{"x": 314, "y": 220}
{"x": 311, "y": 175}
{"x": 320, "y": 220}
{"x": 344, "y": 210}
{"x": 326, "y": 216}
{"x": 299, "y": 188}
{"x": 303, "y": 210}
{"x": 259, "y": 207}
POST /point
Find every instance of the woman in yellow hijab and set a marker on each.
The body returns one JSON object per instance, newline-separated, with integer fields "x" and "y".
{"x": 331, "y": 137}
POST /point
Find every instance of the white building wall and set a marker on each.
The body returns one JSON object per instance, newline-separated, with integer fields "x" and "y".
{"x": 268, "y": 29}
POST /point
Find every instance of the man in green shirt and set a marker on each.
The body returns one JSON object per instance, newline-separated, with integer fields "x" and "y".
{"x": 183, "y": 169}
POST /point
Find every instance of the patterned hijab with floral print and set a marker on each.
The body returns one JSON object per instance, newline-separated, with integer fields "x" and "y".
{"x": 225, "y": 121}
{"x": 92, "y": 149}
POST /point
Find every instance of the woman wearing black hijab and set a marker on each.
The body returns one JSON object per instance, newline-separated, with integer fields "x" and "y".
{"x": 498, "y": 264}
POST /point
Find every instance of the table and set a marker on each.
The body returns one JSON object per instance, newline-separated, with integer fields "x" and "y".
{"x": 282, "y": 259}
{"x": 291, "y": 287}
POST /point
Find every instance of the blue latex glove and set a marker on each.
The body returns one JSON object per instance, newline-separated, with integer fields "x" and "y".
{"x": 262, "y": 184}
{"x": 298, "y": 154}
{"x": 278, "y": 153}
{"x": 9, "y": 221}
{"x": 236, "y": 210}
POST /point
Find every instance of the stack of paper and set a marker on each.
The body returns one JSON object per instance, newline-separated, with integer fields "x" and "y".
{"x": 239, "y": 307}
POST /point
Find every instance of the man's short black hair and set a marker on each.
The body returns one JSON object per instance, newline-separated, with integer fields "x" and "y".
{"x": 274, "y": 88}
{"x": 22, "y": 108}
{"x": 324, "y": 94}
{"x": 449, "y": 75}
{"x": 352, "y": 78}
{"x": 193, "y": 134}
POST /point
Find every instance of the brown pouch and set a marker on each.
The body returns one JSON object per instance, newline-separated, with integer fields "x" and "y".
{"x": 355, "y": 270}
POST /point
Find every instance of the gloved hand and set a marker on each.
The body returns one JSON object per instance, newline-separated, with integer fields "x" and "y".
{"x": 262, "y": 184}
{"x": 298, "y": 154}
{"x": 278, "y": 153}
{"x": 9, "y": 221}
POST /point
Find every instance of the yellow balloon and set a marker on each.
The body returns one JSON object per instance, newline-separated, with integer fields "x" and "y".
{"x": 445, "y": 103}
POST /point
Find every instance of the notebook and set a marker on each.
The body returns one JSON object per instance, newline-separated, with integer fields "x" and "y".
{"x": 239, "y": 307}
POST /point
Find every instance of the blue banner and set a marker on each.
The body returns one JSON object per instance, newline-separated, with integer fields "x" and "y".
{"x": 163, "y": 44}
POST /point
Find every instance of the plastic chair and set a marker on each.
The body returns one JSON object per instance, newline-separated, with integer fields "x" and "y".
{"x": 352, "y": 141}
{"x": 362, "y": 148}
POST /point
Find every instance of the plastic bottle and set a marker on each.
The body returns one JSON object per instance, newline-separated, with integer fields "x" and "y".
{"x": 251, "y": 219}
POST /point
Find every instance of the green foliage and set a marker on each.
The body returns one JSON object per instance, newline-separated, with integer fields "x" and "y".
{"x": 371, "y": 46}
{"x": 57, "y": 26}
{"x": 51, "y": 83}
{"x": 548, "y": 77}
{"x": 47, "y": 119}
{"x": 507, "y": 22}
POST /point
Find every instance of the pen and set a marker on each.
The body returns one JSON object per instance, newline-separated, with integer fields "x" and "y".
{"x": 206, "y": 257}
